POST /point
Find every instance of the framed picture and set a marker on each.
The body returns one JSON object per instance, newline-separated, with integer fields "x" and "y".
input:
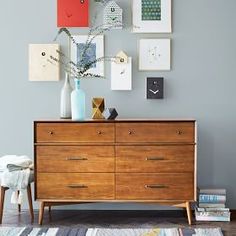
{"x": 154, "y": 54}
{"x": 152, "y": 16}
{"x": 89, "y": 51}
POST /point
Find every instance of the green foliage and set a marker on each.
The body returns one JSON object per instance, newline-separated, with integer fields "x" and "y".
{"x": 80, "y": 69}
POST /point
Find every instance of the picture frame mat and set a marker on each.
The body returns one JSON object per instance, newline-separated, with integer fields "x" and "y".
{"x": 99, "y": 41}
{"x": 163, "y": 26}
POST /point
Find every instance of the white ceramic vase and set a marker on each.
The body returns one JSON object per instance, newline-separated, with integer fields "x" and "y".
{"x": 65, "y": 111}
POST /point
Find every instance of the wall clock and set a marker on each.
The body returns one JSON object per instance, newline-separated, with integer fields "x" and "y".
{"x": 121, "y": 72}
{"x": 72, "y": 13}
{"x": 155, "y": 54}
{"x": 113, "y": 15}
{"x": 41, "y": 68}
{"x": 155, "y": 88}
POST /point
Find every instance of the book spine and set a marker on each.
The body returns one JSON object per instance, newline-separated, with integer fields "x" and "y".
{"x": 212, "y": 218}
{"x": 211, "y": 205}
{"x": 207, "y": 198}
{"x": 213, "y": 191}
{"x": 213, "y": 214}
{"x": 202, "y": 209}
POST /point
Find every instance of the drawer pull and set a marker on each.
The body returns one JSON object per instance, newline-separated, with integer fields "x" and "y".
{"x": 179, "y": 132}
{"x": 51, "y": 132}
{"x": 156, "y": 186}
{"x": 155, "y": 159}
{"x": 99, "y": 132}
{"x": 77, "y": 159}
{"x": 131, "y": 132}
{"x": 77, "y": 186}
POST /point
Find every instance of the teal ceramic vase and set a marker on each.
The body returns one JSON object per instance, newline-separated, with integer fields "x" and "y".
{"x": 78, "y": 102}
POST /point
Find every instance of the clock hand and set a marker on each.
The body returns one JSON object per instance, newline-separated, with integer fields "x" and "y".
{"x": 154, "y": 92}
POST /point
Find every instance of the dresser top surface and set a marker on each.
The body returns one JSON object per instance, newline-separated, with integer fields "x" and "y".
{"x": 116, "y": 121}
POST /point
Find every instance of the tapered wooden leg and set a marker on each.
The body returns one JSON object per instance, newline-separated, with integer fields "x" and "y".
{"x": 30, "y": 202}
{"x": 41, "y": 211}
{"x": 2, "y": 196}
{"x": 189, "y": 213}
{"x": 19, "y": 205}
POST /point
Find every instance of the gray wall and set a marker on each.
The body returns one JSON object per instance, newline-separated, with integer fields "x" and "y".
{"x": 201, "y": 83}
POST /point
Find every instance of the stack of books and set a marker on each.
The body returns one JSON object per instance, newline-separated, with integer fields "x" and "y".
{"x": 211, "y": 205}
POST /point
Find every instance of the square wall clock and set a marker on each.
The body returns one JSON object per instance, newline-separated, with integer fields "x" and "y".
{"x": 155, "y": 88}
{"x": 72, "y": 13}
{"x": 154, "y": 54}
{"x": 41, "y": 68}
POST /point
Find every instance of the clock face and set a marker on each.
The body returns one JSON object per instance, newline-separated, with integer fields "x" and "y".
{"x": 155, "y": 88}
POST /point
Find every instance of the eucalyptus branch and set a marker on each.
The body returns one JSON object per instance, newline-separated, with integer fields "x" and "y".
{"x": 68, "y": 68}
{"x": 88, "y": 66}
{"x": 100, "y": 30}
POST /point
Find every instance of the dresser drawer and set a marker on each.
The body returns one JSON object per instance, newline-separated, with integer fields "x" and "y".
{"x": 157, "y": 159}
{"x": 164, "y": 132}
{"x": 74, "y": 132}
{"x": 75, "y": 186}
{"x": 154, "y": 187}
{"x": 75, "y": 158}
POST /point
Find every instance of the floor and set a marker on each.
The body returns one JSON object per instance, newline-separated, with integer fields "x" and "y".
{"x": 115, "y": 219}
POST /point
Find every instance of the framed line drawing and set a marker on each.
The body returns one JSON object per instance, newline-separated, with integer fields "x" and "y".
{"x": 154, "y": 54}
{"x": 152, "y": 16}
{"x": 94, "y": 51}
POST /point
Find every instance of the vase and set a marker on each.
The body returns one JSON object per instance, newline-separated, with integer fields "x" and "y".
{"x": 65, "y": 111}
{"x": 78, "y": 102}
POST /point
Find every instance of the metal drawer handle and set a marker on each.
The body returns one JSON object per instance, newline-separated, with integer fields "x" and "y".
{"x": 155, "y": 186}
{"x": 77, "y": 159}
{"x": 155, "y": 159}
{"x": 77, "y": 186}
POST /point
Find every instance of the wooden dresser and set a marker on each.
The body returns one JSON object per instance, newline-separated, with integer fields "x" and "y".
{"x": 147, "y": 161}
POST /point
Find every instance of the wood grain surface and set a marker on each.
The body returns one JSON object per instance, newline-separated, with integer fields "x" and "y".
{"x": 154, "y": 186}
{"x": 77, "y": 132}
{"x": 75, "y": 186}
{"x": 75, "y": 159}
{"x": 155, "y": 132}
{"x": 155, "y": 159}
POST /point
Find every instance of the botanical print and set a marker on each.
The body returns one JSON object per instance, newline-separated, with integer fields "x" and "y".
{"x": 151, "y": 10}
{"x": 89, "y": 55}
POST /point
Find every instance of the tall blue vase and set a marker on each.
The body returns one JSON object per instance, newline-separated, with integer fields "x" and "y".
{"x": 78, "y": 102}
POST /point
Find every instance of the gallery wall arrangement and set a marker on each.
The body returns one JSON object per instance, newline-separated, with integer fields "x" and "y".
{"x": 200, "y": 83}
{"x": 87, "y": 57}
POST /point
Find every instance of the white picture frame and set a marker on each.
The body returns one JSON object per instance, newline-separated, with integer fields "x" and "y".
{"x": 155, "y": 54}
{"x": 96, "y": 51}
{"x": 159, "y": 24}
